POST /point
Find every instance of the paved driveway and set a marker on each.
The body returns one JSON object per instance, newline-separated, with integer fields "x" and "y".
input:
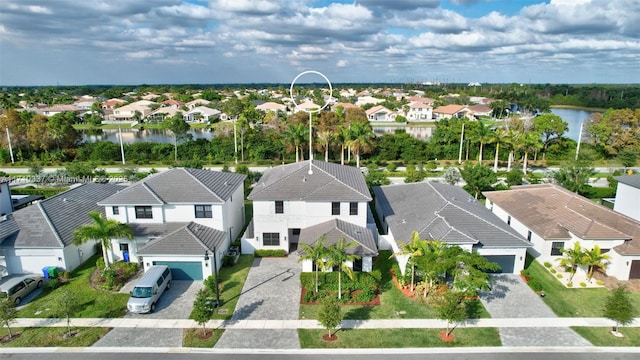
{"x": 511, "y": 297}
{"x": 271, "y": 292}
{"x": 175, "y": 303}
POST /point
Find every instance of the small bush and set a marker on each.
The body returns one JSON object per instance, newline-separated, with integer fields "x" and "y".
{"x": 100, "y": 263}
{"x": 228, "y": 260}
{"x": 210, "y": 283}
{"x": 553, "y": 271}
{"x": 559, "y": 276}
{"x": 569, "y": 284}
{"x": 391, "y": 167}
{"x": 583, "y": 284}
{"x": 270, "y": 253}
{"x": 547, "y": 264}
{"x": 535, "y": 284}
{"x": 52, "y": 284}
{"x": 600, "y": 282}
{"x": 525, "y": 272}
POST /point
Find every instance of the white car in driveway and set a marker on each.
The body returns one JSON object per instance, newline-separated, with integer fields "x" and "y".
{"x": 17, "y": 288}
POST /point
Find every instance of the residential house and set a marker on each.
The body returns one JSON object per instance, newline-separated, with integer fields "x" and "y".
{"x": 42, "y": 234}
{"x": 60, "y": 108}
{"x": 298, "y": 203}
{"x": 552, "y": 218}
{"x": 628, "y": 196}
{"x": 449, "y": 111}
{"x": 368, "y": 99}
{"x": 271, "y": 106}
{"x": 112, "y": 104}
{"x": 419, "y": 111}
{"x": 201, "y": 114}
{"x": 344, "y": 106}
{"x": 197, "y": 102}
{"x": 6, "y": 202}
{"x": 183, "y": 218}
{"x": 380, "y": 113}
{"x": 479, "y": 110}
{"x": 307, "y": 106}
{"x": 132, "y": 112}
{"x": 446, "y": 213}
{"x": 162, "y": 113}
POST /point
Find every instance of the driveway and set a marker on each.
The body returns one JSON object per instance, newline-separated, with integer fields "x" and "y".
{"x": 511, "y": 297}
{"x": 271, "y": 292}
{"x": 175, "y": 303}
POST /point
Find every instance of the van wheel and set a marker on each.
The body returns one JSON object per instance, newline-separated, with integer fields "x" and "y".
{"x": 17, "y": 300}
{"x": 39, "y": 285}
{"x": 169, "y": 285}
{"x": 153, "y": 308}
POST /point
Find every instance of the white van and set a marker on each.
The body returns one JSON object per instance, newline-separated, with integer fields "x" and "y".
{"x": 149, "y": 288}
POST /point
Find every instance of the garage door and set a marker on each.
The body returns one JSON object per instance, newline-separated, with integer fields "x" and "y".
{"x": 183, "y": 270}
{"x": 505, "y": 261}
{"x": 634, "y": 273}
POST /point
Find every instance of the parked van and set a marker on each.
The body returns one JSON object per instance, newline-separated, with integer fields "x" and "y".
{"x": 15, "y": 289}
{"x": 149, "y": 288}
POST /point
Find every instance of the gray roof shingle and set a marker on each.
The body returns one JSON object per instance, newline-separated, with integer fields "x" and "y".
{"x": 189, "y": 239}
{"x": 335, "y": 229}
{"x": 631, "y": 180}
{"x": 8, "y": 227}
{"x": 51, "y": 222}
{"x": 442, "y": 212}
{"x": 329, "y": 182}
{"x": 179, "y": 186}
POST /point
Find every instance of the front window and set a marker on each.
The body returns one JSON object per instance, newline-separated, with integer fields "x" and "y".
{"x": 144, "y": 212}
{"x": 203, "y": 212}
{"x": 271, "y": 239}
{"x": 353, "y": 208}
{"x": 556, "y": 248}
{"x": 279, "y": 207}
{"x": 335, "y": 208}
{"x": 116, "y": 210}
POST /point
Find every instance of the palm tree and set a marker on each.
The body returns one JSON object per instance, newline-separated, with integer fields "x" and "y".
{"x": 295, "y": 135}
{"x": 344, "y": 136}
{"x": 337, "y": 256}
{"x": 499, "y": 139}
{"x": 414, "y": 249}
{"x": 595, "y": 259}
{"x": 102, "y": 230}
{"x": 512, "y": 139}
{"x": 361, "y": 139}
{"x": 316, "y": 254}
{"x": 530, "y": 142}
{"x": 572, "y": 258}
{"x": 484, "y": 135}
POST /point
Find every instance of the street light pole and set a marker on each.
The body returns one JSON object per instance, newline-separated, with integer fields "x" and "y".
{"x": 461, "y": 142}
{"x": 215, "y": 272}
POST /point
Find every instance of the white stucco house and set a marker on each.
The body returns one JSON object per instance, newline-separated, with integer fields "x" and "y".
{"x": 449, "y": 214}
{"x": 181, "y": 218}
{"x": 552, "y": 218}
{"x": 380, "y": 113}
{"x": 419, "y": 112}
{"x": 627, "y": 199}
{"x": 300, "y": 202}
{"x": 41, "y": 235}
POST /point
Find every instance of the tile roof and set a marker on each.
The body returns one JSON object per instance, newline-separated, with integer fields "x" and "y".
{"x": 442, "y": 212}
{"x": 378, "y": 108}
{"x": 179, "y": 186}
{"x": 189, "y": 239}
{"x": 8, "y": 226}
{"x": 329, "y": 182}
{"x": 631, "y": 180}
{"x": 51, "y": 222}
{"x": 449, "y": 109}
{"x": 336, "y": 229}
{"x": 554, "y": 212}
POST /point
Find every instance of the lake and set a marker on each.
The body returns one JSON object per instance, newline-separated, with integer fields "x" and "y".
{"x": 130, "y": 136}
{"x": 574, "y": 118}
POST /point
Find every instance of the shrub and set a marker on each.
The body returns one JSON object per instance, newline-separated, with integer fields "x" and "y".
{"x": 569, "y": 284}
{"x": 583, "y": 284}
{"x": 547, "y": 264}
{"x": 228, "y": 260}
{"x": 210, "y": 283}
{"x": 525, "y": 273}
{"x": 535, "y": 284}
{"x": 391, "y": 167}
{"x": 553, "y": 271}
{"x": 52, "y": 284}
{"x": 270, "y": 253}
{"x": 100, "y": 263}
{"x": 559, "y": 276}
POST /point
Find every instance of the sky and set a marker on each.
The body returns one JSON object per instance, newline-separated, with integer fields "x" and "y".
{"x": 132, "y": 42}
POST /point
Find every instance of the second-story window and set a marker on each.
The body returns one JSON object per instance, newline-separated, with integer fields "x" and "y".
{"x": 144, "y": 212}
{"x": 279, "y": 207}
{"x": 353, "y": 208}
{"x": 203, "y": 212}
{"x": 335, "y": 208}
{"x": 116, "y": 210}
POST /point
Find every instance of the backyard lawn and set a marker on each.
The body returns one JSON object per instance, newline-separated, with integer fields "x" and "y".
{"x": 398, "y": 338}
{"x": 92, "y": 303}
{"x": 572, "y": 302}
{"x": 393, "y": 304}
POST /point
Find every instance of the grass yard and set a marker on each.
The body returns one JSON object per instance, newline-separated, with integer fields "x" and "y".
{"x": 601, "y": 336}
{"x": 572, "y": 302}
{"x": 52, "y": 337}
{"x": 231, "y": 282}
{"x": 92, "y": 303}
{"x": 191, "y": 338}
{"x": 393, "y": 304}
{"x": 398, "y": 338}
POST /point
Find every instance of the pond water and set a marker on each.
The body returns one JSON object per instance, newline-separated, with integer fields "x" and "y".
{"x": 574, "y": 118}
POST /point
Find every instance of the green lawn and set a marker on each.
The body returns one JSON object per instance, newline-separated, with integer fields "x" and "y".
{"x": 93, "y": 303}
{"x": 398, "y": 338}
{"x": 393, "y": 304}
{"x": 231, "y": 282}
{"x": 191, "y": 338}
{"x": 572, "y": 302}
{"x": 601, "y": 336}
{"x": 52, "y": 337}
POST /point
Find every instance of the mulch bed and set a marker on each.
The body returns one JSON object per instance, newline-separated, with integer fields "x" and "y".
{"x": 326, "y": 337}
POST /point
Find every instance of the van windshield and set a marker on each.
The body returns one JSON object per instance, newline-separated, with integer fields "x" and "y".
{"x": 141, "y": 292}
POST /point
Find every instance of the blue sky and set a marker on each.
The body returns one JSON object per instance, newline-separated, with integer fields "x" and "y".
{"x": 70, "y": 42}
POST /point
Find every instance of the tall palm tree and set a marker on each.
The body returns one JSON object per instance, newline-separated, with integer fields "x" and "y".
{"x": 361, "y": 139}
{"x": 530, "y": 142}
{"x": 512, "y": 139}
{"x": 572, "y": 258}
{"x": 295, "y": 135}
{"x": 484, "y": 135}
{"x": 337, "y": 256}
{"x": 413, "y": 249}
{"x": 499, "y": 139}
{"x": 102, "y": 230}
{"x": 316, "y": 254}
{"x": 343, "y": 136}
{"x": 595, "y": 259}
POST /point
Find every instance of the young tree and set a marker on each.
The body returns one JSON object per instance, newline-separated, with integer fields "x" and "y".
{"x": 452, "y": 308}
{"x": 8, "y": 314}
{"x": 375, "y": 177}
{"x": 478, "y": 178}
{"x": 65, "y": 306}
{"x": 178, "y": 128}
{"x": 203, "y": 308}
{"x": 595, "y": 259}
{"x": 102, "y": 230}
{"x": 619, "y": 307}
{"x": 330, "y": 314}
{"x": 412, "y": 250}
{"x": 316, "y": 254}
{"x": 451, "y": 176}
{"x": 572, "y": 258}
{"x": 337, "y": 256}
{"x": 574, "y": 176}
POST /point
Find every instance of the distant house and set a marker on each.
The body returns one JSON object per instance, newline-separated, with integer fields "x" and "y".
{"x": 181, "y": 218}
{"x": 479, "y": 110}
{"x": 131, "y": 112}
{"x": 201, "y": 114}
{"x": 627, "y": 199}
{"x": 300, "y": 202}
{"x": 162, "y": 113}
{"x": 196, "y": 103}
{"x": 446, "y": 213}
{"x": 419, "y": 111}
{"x": 449, "y": 111}
{"x": 380, "y": 113}
{"x": 552, "y": 218}
{"x": 271, "y": 106}
{"x": 367, "y": 99}
{"x": 42, "y": 234}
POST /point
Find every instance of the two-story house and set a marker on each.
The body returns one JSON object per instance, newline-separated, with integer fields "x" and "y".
{"x": 380, "y": 113}
{"x": 181, "y": 218}
{"x": 628, "y": 196}
{"x": 300, "y": 202}
{"x": 419, "y": 111}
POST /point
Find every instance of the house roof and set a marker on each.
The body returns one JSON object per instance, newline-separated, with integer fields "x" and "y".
{"x": 336, "y": 229}
{"x": 188, "y": 239}
{"x": 51, "y": 222}
{"x": 631, "y": 180}
{"x": 179, "y": 186}
{"x": 419, "y": 105}
{"x": 8, "y": 226}
{"x": 442, "y": 212}
{"x": 479, "y": 109}
{"x": 204, "y": 110}
{"x": 329, "y": 182}
{"x": 271, "y": 106}
{"x": 553, "y": 213}
{"x": 449, "y": 109}
{"x": 378, "y": 108}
